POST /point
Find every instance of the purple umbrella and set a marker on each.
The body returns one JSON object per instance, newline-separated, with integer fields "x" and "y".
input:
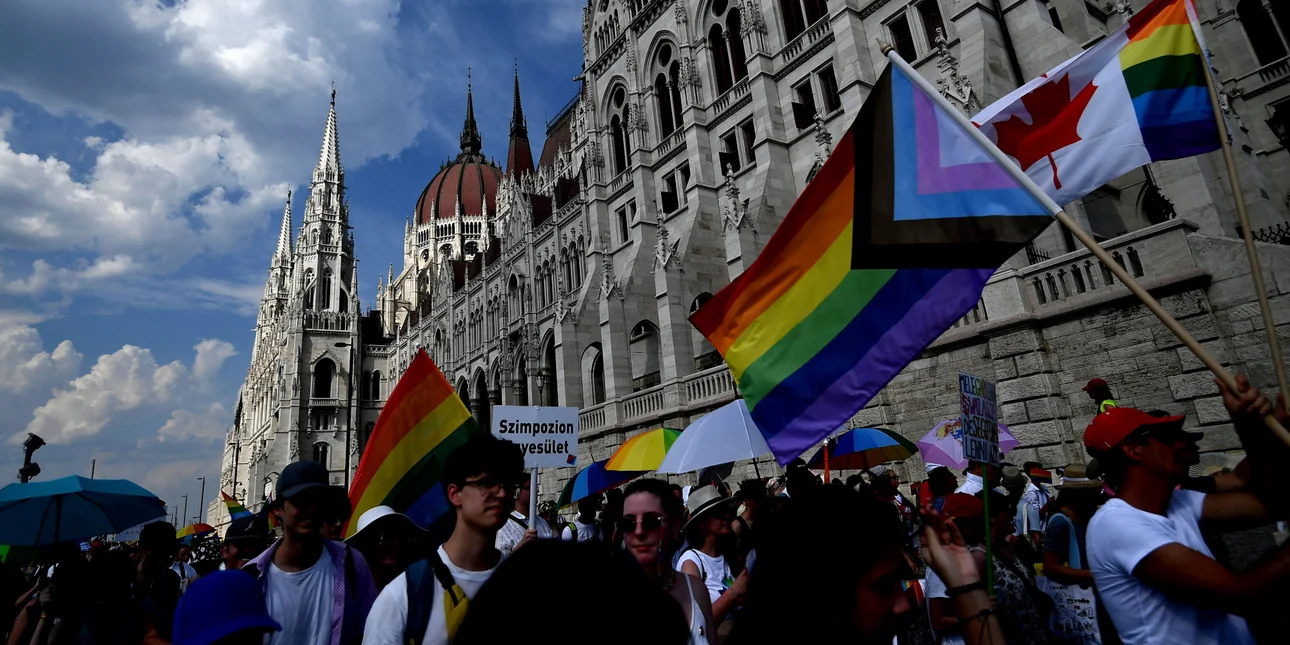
{"x": 944, "y": 444}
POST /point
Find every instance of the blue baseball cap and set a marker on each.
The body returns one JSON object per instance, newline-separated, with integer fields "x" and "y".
{"x": 219, "y": 605}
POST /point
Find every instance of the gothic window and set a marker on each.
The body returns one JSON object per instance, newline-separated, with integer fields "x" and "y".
{"x": 674, "y": 85}
{"x": 720, "y": 58}
{"x": 663, "y": 102}
{"x": 550, "y": 283}
{"x": 324, "y": 374}
{"x": 313, "y": 237}
{"x": 800, "y": 14}
{"x": 593, "y": 376}
{"x": 326, "y": 235}
{"x": 322, "y": 454}
{"x": 565, "y": 269}
{"x": 738, "y": 57}
{"x": 513, "y": 295}
{"x": 376, "y": 386}
{"x": 901, "y": 37}
{"x": 1261, "y": 28}
{"x": 930, "y": 14}
{"x": 829, "y": 89}
{"x": 646, "y": 358}
{"x": 309, "y": 297}
{"x": 618, "y": 139}
{"x": 324, "y": 291}
{"x": 365, "y": 385}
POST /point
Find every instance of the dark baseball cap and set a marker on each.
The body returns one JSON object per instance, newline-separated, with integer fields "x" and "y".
{"x": 300, "y": 476}
{"x": 245, "y": 528}
{"x": 1094, "y": 384}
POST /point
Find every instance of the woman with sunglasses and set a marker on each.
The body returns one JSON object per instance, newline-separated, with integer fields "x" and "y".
{"x": 650, "y": 528}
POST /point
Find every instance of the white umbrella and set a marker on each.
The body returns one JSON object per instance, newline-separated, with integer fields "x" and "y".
{"x": 131, "y": 534}
{"x": 726, "y": 434}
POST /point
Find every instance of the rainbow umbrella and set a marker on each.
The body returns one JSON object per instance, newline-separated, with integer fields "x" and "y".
{"x": 864, "y": 448}
{"x": 593, "y": 480}
{"x": 644, "y": 452}
{"x": 193, "y": 530}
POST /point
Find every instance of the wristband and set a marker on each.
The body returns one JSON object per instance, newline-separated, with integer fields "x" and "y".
{"x": 954, "y": 592}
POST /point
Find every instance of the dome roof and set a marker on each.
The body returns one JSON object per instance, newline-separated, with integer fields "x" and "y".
{"x": 469, "y": 179}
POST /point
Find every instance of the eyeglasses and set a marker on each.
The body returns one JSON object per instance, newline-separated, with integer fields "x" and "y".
{"x": 648, "y": 522}
{"x": 493, "y": 485}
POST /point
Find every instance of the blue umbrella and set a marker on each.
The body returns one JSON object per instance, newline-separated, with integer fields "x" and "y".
{"x": 71, "y": 509}
{"x": 593, "y": 480}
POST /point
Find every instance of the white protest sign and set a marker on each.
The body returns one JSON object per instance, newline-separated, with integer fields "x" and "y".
{"x": 980, "y": 419}
{"x": 547, "y": 435}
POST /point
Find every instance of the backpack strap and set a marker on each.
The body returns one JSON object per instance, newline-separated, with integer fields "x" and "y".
{"x": 524, "y": 525}
{"x": 1072, "y": 549}
{"x": 573, "y": 530}
{"x": 422, "y": 577}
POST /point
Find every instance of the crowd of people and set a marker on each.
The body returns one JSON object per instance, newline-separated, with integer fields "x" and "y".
{"x": 1120, "y": 550}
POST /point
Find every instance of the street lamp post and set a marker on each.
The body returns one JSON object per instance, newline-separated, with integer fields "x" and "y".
{"x": 349, "y": 401}
{"x": 202, "y": 504}
{"x": 185, "y": 507}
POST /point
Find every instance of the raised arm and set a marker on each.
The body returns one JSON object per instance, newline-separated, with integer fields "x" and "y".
{"x": 1197, "y": 579}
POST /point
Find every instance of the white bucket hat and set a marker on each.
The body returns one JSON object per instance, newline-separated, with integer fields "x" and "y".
{"x": 376, "y": 513}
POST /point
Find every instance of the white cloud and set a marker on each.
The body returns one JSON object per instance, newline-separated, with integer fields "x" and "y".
{"x": 211, "y": 354}
{"x": 25, "y": 365}
{"x": 206, "y": 426}
{"x": 127, "y": 379}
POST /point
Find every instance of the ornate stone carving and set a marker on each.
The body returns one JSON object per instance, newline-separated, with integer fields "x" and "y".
{"x": 823, "y": 140}
{"x": 951, "y": 84}
{"x": 735, "y": 214}
{"x": 609, "y": 286}
{"x": 665, "y": 254}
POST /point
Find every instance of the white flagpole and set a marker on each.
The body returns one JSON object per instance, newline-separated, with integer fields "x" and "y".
{"x": 1087, "y": 240}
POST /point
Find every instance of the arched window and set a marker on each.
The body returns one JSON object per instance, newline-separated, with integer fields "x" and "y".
{"x": 674, "y": 82}
{"x": 324, "y": 374}
{"x": 720, "y": 58}
{"x": 618, "y": 139}
{"x": 800, "y": 14}
{"x": 550, "y": 283}
{"x": 643, "y": 346}
{"x": 593, "y": 376}
{"x": 322, "y": 454}
{"x": 313, "y": 237}
{"x": 1261, "y": 28}
{"x": 738, "y": 58}
{"x": 324, "y": 291}
{"x": 376, "y": 386}
{"x": 326, "y": 235}
{"x": 663, "y": 102}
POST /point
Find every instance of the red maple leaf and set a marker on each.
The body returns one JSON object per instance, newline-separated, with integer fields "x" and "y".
{"x": 1054, "y": 121}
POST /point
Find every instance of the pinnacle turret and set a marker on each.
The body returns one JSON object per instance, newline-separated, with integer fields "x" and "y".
{"x": 329, "y": 168}
{"x": 283, "y": 251}
{"x": 470, "y": 141}
{"x": 519, "y": 154}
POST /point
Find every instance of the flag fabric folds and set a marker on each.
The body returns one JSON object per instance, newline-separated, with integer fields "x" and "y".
{"x": 922, "y": 213}
{"x": 1068, "y": 128}
{"x": 235, "y": 510}
{"x": 422, "y": 422}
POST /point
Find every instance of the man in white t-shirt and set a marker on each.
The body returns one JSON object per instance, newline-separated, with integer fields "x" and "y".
{"x": 319, "y": 590}
{"x": 187, "y": 574}
{"x": 1156, "y": 576}
{"x": 584, "y": 527}
{"x": 426, "y": 603}
{"x": 518, "y": 529}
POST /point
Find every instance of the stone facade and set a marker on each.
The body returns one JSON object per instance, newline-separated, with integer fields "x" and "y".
{"x": 697, "y": 125}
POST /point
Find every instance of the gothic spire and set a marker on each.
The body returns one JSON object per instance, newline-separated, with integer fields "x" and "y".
{"x": 284, "y": 234}
{"x": 470, "y": 143}
{"x": 519, "y": 127}
{"x": 329, "y": 168}
{"x": 519, "y": 155}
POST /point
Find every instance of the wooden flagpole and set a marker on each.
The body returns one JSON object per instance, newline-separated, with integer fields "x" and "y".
{"x": 1256, "y": 274}
{"x": 1087, "y": 240}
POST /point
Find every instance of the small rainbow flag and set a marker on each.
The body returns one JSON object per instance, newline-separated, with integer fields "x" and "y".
{"x": 235, "y": 509}
{"x": 888, "y": 245}
{"x": 422, "y": 422}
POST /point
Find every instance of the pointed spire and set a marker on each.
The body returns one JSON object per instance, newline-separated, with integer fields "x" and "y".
{"x": 470, "y": 142}
{"x": 284, "y": 234}
{"x": 329, "y": 156}
{"x": 519, "y": 155}
{"x": 519, "y": 127}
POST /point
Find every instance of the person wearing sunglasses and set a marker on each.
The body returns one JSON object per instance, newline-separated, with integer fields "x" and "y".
{"x": 650, "y": 529}
{"x": 1152, "y": 567}
{"x": 428, "y": 602}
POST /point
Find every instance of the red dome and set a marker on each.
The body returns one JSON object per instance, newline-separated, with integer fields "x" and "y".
{"x": 470, "y": 179}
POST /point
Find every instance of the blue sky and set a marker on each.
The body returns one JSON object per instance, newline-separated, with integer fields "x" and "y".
{"x": 145, "y": 152}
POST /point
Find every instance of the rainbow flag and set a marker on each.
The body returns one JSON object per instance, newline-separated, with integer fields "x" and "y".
{"x": 235, "y": 509}
{"x": 1136, "y": 97}
{"x": 888, "y": 245}
{"x": 422, "y": 422}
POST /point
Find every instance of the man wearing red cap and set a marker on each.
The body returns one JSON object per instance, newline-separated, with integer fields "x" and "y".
{"x": 1157, "y": 577}
{"x": 1100, "y": 392}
